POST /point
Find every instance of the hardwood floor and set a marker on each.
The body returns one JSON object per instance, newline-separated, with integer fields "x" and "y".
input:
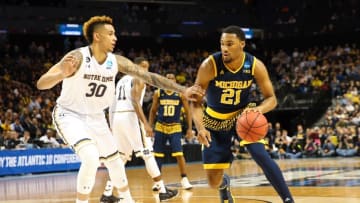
{"x": 331, "y": 180}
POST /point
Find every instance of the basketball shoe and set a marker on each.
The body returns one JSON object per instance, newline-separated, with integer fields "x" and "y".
{"x": 224, "y": 190}
{"x": 109, "y": 199}
{"x": 288, "y": 200}
{"x": 169, "y": 194}
{"x": 185, "y": 184}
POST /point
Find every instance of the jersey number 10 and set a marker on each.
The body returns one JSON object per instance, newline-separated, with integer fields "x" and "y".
{"x": 169, "y": 110}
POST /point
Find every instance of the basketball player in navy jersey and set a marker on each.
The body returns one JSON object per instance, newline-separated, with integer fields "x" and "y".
{"x": 167, "y": 105}
{"x": 227, "y": 77}
{"x": 88, "y": 87}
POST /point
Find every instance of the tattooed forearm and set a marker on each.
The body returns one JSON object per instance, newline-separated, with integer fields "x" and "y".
{"x": 128, "y": 67}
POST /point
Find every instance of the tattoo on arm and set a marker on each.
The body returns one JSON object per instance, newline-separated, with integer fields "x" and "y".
{"x": 77, "y": 56}
{"x": 128, "y": 67}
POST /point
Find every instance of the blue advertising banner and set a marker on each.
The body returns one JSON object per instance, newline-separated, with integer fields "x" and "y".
{"x": 14, "y": 162}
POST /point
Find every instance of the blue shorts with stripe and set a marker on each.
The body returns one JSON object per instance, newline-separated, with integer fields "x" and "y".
{"x": 218, "y": 155}
{"x": 161, "y": 140}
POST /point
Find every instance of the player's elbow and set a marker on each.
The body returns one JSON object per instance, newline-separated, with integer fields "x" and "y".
{"x": 40, "y": 85}
{"x": 274, "y": 102}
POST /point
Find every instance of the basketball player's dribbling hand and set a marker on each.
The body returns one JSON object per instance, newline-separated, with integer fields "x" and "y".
{"x": 204, "y": 137}
{"x": 254, "y": 109}
{"x": 68, "y": 65}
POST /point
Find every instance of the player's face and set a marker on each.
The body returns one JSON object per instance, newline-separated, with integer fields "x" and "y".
{"x": 145, "y": 65}
{"x": 107, "y": 37}
{"x": 231, "y": 47}
{"x": 171, "y": 77}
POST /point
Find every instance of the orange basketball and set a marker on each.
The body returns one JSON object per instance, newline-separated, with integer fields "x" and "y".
{"x": 251, "y": 126}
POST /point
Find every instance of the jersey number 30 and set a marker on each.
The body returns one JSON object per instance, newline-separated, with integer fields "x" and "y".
{"x": 96, "y": 90}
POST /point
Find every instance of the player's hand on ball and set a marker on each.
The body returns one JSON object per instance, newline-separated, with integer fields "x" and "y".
{"x": 254, "y": 109}
{"x": 204, "y": 137}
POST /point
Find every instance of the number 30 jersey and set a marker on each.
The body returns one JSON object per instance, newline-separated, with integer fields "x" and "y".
{"x": 229, "y": 91}
{"x": 92, "y": 88}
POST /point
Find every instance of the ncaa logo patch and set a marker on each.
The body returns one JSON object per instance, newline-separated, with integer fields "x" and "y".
{"x": 109, "y": 64}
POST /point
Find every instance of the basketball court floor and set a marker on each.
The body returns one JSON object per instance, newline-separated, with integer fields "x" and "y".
{"x": 322, "y": 180}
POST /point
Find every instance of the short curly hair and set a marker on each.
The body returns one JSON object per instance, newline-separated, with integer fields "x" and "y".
{"x": 90, "y": 25}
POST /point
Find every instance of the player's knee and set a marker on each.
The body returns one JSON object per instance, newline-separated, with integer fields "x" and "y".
{"x": 89, "y": 156}
{"x": 215, "y": 178}
{"x": 117, "y": 173}
{"x": 214, "y": 183}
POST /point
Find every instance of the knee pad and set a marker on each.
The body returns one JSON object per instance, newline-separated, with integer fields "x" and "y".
{"x": 117, "y": 173}
{"x": 89, "y": 156}
{"x": 151, "y": 166}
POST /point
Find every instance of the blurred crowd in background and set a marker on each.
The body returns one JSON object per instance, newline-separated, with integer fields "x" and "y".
{"x": 297, "y": 73}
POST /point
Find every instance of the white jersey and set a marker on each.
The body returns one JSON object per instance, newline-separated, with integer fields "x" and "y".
{"x": 92, "y": 88}
{"x": 122, "y": 101}
{"x": 125, "y": 124}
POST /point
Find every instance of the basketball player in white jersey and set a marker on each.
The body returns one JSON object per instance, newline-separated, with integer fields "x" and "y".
{"x": 88, "y": 87}
{"x": 132, "y": 131}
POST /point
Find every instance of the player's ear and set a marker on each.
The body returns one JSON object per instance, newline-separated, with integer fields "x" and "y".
{"x": 242, "y": 44}
{"x": 96, "y": 36}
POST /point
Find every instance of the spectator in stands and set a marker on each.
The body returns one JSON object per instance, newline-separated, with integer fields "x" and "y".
{"x": 49, "y": 139}
{"x": 35, "y": 103}
{"x": 315, "y": 135}
{"x": 6, "y": 125}
{"x": 310, "y": 149}
{"x": 346, "y": 146}
{"x": 294, "y": 150}
{"x": 16, "y": 126}
{"x": 26, "y": 141}
{"x": 11, "y": 140}
{"x": 270, "y": 134}
{"x": 327, "y": 149}
{"x": 281, "y": 143}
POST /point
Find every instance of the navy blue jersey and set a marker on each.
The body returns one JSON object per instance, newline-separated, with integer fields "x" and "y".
{"x": 229, "y": 91}
{"x": 170, "y": 105}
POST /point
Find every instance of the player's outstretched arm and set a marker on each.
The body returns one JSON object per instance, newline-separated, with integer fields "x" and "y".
{"x": 128, "y": 67}
{"x": 66, "y": 67}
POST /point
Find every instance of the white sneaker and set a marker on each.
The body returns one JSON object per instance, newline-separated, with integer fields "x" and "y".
{"x": 186, "y": 184}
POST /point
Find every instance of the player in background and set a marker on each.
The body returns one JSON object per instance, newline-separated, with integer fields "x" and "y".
{"x": 166, "y": 108}
{"x": 227, "y": 77}
{"x": 132, "y": 131}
